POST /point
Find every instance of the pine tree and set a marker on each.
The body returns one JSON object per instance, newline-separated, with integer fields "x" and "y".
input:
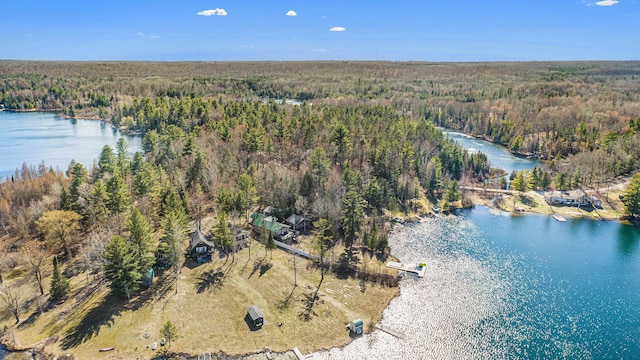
{"x": 352, "y": 216}
{"x": 222, "y": 232}
{"x": 121, "y": 267}
{"x": 174, "y": 226}
{"x": 632, "y": 196}
{"x": 59, "y": 283}
{"x": 119, "y": 196}
{"x": 141, "y": 239}
{"x": 106, "y": 161}
{"x": 169, "y": 332}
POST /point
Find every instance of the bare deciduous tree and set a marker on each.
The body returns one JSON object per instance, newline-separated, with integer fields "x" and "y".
{"x": 10, "y": 298}
{"x": 35, "y": 256}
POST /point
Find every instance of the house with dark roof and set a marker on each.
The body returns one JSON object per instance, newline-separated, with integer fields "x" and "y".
{"x": 299, "y": 223}
{"x": 255, "y": 316}
{"x": 200, "y": 247}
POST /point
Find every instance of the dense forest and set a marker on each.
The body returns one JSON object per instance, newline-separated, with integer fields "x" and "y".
{"x": 360, "y": 143}
{"x": 585, "y": 113}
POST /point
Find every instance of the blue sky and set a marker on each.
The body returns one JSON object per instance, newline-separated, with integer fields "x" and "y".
{"x": 425, "y": 30}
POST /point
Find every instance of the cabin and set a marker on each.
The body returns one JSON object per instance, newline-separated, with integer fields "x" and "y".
{"x": 240, "y": 237}
{"x": 264, "y": 224}
{"x": 571, "y": 198}
{"x": 200, "y": 247}
{"x": 162, "y": 260}
{"x": 255, "y": 316}
{"x": 299, "y": 223}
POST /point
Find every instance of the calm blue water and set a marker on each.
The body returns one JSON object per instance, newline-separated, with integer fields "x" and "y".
{"x": 502, "y": 287}
{"x": 36, "y": 137}
{"x": 499, "y": 156}
{"x": 511, "y": 287}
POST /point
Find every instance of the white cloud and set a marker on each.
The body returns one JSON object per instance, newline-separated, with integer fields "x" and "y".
{"x": 149, "y": 36}
{"x": 218, "y": 12}
{"x": 606, "y": 2}
{"x": 340, "y": 28}
{"x": 292, "y": 13}
{"x": 321, "y": 50}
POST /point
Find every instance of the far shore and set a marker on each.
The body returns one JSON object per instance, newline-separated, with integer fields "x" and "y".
{"x": 533, "y": 202}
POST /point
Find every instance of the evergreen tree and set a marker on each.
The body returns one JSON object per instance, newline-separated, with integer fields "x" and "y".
{"x": 319, "y": 165}
{"x": 98, "y": 199}
{"x": 119, "y": 196}
{"x": 59, "y": 283}
{"x": 169, "y": 332}
{"x": 123, "y": 159}
{"x": 79, "y": 177}
{"x": 121, "y": 267}
{"x": 141, "y": 239}
{"x": 632, "y": 196}
{"x": 174, "y": 225}
{"x": 106, "y": 161}
{"x": 323, "y": 235}
{"x": 248, "y": 191}
{"x": 222, "y": 232}
{"x": 352, "y": 216}
{"x": 271, "y": 245}
{"x": 453, "y": 191}
{"x": 546, "y": 181}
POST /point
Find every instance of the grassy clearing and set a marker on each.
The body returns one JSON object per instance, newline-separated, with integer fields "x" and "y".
{"x": 209, "y": 308}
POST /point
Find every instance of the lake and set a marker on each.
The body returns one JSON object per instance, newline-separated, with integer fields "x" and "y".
{"x": 511, "y": 287}
{"x": 503, "y": 287}
{"x": 34, "y": 137}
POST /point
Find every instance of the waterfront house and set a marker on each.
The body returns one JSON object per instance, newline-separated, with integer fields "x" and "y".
{"x": 571, "y": 198}
{"x": 200, "y": 247}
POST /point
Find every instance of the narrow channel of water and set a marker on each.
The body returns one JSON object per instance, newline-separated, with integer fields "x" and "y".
{"x": 498, "y": 156}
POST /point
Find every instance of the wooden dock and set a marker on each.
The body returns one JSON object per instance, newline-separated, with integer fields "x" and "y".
{"x": 392, "y": 332}
{"x": 418, "y": 270}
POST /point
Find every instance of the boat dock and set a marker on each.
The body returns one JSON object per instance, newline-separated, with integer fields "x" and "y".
{"x": 390, "y": 331}
{"x": 419, "y": 269}
{"x": 559, "y": 217}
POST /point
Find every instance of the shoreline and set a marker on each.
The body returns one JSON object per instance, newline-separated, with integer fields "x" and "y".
{"x": 517, "y": 207}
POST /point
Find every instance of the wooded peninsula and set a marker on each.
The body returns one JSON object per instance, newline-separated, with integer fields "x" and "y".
{"x": 176, "y": 241}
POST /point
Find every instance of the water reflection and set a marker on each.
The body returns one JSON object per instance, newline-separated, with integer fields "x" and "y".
{"x": 524, "y": 287}
{"x": 628, "y": 238}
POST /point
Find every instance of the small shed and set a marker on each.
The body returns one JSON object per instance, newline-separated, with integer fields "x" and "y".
{"x": 255, "y": 315}
{"x": 356, "y": 326}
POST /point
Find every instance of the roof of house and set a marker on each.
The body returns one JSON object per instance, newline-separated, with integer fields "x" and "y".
{"x": 266, "y": 222}
{"x": 198, "y": 237}
{"x": 255, "y": 313}
{"x": 570, "y": 194}
{"x": 296, "y": 219}
{"x": 235, "y": 230}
